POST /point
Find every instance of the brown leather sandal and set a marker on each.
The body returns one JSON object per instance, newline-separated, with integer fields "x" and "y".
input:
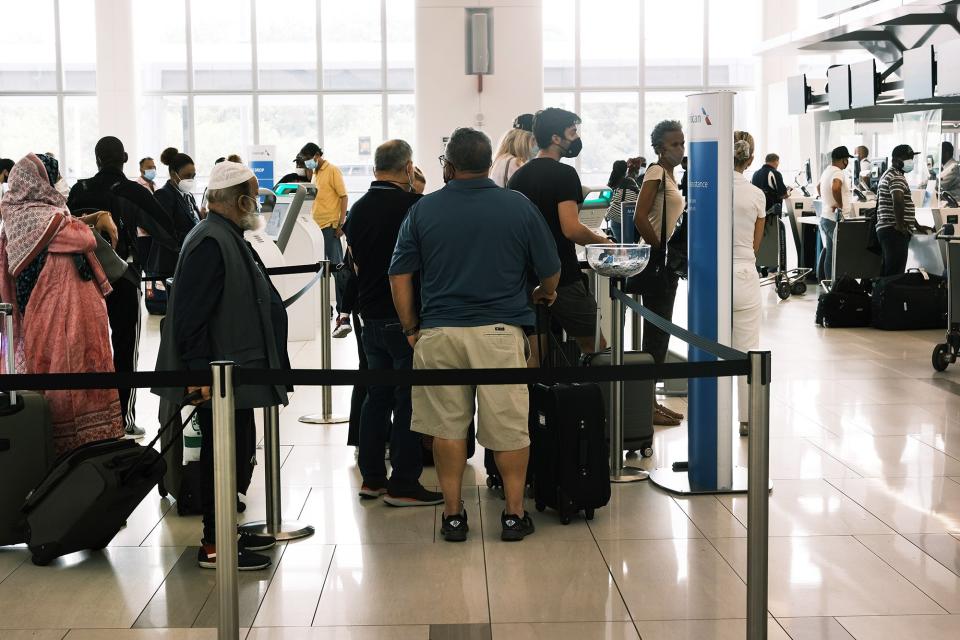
{"x": 669, "y": 412}
{"x": 661, "y": 419}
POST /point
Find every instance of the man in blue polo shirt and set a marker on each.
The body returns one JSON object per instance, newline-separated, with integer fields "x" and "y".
{"x": 473, "y": 245}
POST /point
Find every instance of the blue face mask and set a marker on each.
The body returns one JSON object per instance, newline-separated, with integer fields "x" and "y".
{"x": 908, "y": 166}
{"x": 150, "y": 174}
{"x": 310, "y": 164}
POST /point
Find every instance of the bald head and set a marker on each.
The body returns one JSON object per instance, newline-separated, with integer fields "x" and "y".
{"x": 392, "y": 156}
{"x": 110, "y": 153}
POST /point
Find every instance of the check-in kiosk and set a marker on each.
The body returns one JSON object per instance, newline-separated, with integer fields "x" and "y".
{"x": 293, "y": 233}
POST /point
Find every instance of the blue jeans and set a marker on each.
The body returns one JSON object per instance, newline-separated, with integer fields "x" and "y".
{"x": 827, "y": 229}
{"x": 387, "y": 348}
{"x": 334, "y": 253}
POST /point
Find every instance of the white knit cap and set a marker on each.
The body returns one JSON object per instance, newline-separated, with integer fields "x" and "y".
{"x": 228, "y": 174}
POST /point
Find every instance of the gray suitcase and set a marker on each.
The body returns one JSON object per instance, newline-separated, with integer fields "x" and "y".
{"x": 26, "y": 445}
{"x": 637, "y": 402}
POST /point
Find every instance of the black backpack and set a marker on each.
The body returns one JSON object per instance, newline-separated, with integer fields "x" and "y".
{"x": 847, "y": 304}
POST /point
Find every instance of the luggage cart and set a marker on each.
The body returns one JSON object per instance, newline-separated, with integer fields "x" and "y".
{"x": 773, "y": 249}
{"x": 947, "y": 353}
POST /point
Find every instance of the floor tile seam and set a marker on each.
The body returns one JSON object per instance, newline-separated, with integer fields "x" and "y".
{"x": 283, "y": 552}
{"x": 834, "y": 458}
{"x": 143, "y": 543}
{"x": 607, "y": 564}
{"x": 323, "y": 587}
{"x": 166, "y": 576}
{"x": 17, "y": 568}
{"x": 483, "y": 551}
{"x": 897, "y": 571}
{"x": 913, "y": 436}
{"x": 926, "y": 553}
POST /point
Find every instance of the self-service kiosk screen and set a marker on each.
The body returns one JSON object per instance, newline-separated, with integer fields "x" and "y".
{"x": 276, "y": 219}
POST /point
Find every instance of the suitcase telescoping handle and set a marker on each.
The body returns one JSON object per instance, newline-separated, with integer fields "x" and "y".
{"x": 174, "y": 418}
{"x": 542, "y": 327}
{"x": 9, "y": 349}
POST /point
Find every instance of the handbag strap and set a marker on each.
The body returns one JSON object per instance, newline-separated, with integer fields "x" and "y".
{"x": 663, "y": 217}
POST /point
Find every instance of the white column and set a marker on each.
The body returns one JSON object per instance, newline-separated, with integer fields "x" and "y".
{"x": 116, "y": 75}
{"x": 447, "y": 98}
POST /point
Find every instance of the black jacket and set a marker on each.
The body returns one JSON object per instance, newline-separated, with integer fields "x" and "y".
{"x": 770, "y": 181}
{"x": 131, "y": 206}
{"x": 185, "y": 214}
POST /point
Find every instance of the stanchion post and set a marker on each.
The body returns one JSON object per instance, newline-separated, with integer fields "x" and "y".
{"x": 274, "y": 524}
{"x": 326, "y": 357}
{"x": 618, "y": 472}
{"x": 225, "y": 495}
{"x": 758, "y": 494}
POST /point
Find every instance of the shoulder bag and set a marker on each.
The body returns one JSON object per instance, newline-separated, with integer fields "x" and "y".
{"x": 654, "y": 276}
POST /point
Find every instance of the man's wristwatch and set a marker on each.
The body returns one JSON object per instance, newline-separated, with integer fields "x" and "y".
{"x": 412, "y": 331}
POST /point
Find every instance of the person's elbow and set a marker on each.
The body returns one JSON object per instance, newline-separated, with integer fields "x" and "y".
{"x": 551, "y": 282}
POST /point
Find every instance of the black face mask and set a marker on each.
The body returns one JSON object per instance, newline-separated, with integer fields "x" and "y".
{"x": 573, "y": 149}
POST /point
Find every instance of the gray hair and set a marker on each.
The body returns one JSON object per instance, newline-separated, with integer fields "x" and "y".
{"x": 392, "y": 156}
{"x": 469, "y": 150}
{"x": 658, "y": 136}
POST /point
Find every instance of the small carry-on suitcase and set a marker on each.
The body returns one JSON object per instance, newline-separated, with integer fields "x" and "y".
{"x": 154, "y": 295}
{"x": 912, "y": 300}
{"x": 569, "y": 452}
{"x": 638, "y": 398}
{"x": 89, "y": 494}
{"x": 845, "y": 305}
{"x": 26, "y": 444}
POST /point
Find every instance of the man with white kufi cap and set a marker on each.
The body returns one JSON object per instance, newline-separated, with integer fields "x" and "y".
{"x": 223, "y": 307}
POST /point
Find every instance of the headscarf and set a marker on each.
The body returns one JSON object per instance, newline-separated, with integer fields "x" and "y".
{"x": 53, "y": 168}
{"x": 32, "y": 212}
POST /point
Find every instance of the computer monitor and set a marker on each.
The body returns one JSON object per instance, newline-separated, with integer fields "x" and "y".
{"x": 798, "y": 95}
{"x": 918, "y": 73}
{"x": 277, "y": 216}
{"x": 863, "y": 84}
{"x": 808, "y": 171}
{"x": 838, "y": 83}
{"x": 878, "y": 167}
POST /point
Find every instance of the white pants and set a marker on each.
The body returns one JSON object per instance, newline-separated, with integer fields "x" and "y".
{"x": 747, "y": 313}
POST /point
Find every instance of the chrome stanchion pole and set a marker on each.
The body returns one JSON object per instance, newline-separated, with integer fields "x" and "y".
{"x": 225, "y": 495}
{"x": 636, "y": 340}
{"x": 757, "y": 494}
{"x": 618, "y": 472}
{"x": 326, "y": 358}
{"x": 274, "y": 524}
{"x": 10, "y": 347}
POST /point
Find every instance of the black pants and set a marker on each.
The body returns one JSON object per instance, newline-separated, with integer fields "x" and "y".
{"x": 893, "y": 247}
{"x": 655, "y": 341}
{"x": 359, "y": 391}
{"x": 246, "y": 432}
{"x": 123, "y": 309}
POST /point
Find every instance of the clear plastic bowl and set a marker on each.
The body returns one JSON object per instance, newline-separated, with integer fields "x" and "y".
{"x": 618, "y": 260}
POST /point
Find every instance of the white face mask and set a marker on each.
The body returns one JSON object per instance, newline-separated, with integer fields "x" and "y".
{"x": 301, "y": 172}
{"x": 186, "y": 186}
{"x": 908, "y": 166}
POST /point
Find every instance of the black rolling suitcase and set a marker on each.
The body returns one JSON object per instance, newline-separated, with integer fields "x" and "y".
{"x": 89, "y": 494}
{"x": 912, "y": 300}
{"x": 155, "y": 295}
{"x": 26, "y": 447}
{"x": 569, "y": 452}
{"x": 638, "y": 399}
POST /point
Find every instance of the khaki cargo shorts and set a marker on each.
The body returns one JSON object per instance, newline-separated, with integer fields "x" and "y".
{"x": 446, "y": 411}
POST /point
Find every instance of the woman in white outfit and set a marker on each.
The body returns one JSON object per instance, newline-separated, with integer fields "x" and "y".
{"x": 748, "y": 220}
{"x": 516, "y": 148}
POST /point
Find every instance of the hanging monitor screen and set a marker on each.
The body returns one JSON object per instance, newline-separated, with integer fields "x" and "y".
{"x": 948, "y": 72}
{"x": 838, "y": 81}
{"x": 797, "y": 95}
{"x": 918, "y": 73}
{"x": 863, "y": 85}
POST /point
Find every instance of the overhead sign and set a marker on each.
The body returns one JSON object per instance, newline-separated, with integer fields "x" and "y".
{"x": 262, "y": 163}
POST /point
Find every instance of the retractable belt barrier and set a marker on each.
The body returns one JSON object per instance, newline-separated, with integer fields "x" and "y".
{"x": 316, "y": 267}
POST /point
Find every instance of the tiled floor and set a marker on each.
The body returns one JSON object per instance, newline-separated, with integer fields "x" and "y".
{"x": 864, "y": 526}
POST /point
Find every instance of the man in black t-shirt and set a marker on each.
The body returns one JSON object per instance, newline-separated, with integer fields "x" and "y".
{"x": 555, "y": 189}
{"x": 372, "y": 229}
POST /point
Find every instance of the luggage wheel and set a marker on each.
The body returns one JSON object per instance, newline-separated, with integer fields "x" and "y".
{"x": 798, "y": 288}
{"x": 942, "y": 357}
{"x": 588, "y": 514}
{"x": 783, "y": 288}
{"x": 647, "y": 452}
{"x": 541, "y": 507}
{"x": 631, "y": 453}
{"x": 40, "y": 561}
{"x": 564, "y": 519}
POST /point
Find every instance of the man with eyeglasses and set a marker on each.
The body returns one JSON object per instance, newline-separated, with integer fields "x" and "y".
{"x": 554, "y": 187}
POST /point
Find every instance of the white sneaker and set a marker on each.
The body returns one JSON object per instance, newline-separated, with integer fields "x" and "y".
{"x": 133, "y": 432}
{"x": 343, "y": 328}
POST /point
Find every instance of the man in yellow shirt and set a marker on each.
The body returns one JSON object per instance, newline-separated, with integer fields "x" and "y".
{"x": 330, "y": 212}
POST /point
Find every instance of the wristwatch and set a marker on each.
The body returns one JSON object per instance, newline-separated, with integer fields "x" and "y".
{"x": 412, "y": 331}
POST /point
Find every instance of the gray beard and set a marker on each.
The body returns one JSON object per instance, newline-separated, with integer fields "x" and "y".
{"x": 250, "y": 221}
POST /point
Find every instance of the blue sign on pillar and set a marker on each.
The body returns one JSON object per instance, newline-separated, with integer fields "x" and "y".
{"x": 261, "y": 163}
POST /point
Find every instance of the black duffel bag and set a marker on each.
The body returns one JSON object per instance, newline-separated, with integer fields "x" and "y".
{"x": 845, "y": 305}
{"x": 912, "y": 300}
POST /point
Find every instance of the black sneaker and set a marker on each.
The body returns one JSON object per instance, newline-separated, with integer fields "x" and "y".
{"x": 372, "y": 489}
{"x": 454, "y": 528}
{"x": 255, "y": 542}
{"x": 415, "y": 497}
{"x": 246, "y": 561}
{"x": 516, "y": 528}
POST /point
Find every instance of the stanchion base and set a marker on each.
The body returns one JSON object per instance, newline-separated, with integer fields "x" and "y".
{"x": 629, "y": 474}
{"x": 319, "y": 418}
{"x": 288, "y": 530}
{"x": 679, "y": 483}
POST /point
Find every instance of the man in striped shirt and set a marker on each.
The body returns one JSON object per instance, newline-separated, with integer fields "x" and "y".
{"x": 896, "y": 218}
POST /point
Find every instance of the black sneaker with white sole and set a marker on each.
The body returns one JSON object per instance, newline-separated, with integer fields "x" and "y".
{"x": 246, "y": 561}
{"x": 371, "y": 489}
{"x": 454, "y": 528}
{"x": 515, "y": 528}
{"x": 255, "y": 542}
{"x": 414, "y": 497}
